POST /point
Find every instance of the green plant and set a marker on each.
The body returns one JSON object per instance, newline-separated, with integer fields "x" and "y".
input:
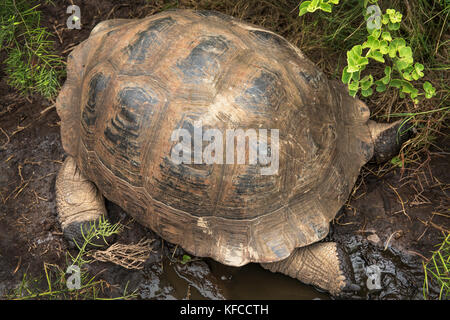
{"x": 382, "y": 47}
{"x": 185, "y": 259}
{"x": 396, "y": 161}
{"x": 97, "y": 230}
{"x": 437, "y": 269}
{"x": 314, "y": 5}
{"x": 54, "y": 286}
{"x": 31, "y": 65}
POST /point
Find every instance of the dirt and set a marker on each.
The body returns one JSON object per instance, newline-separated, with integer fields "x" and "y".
{"x": 392, "y": 222}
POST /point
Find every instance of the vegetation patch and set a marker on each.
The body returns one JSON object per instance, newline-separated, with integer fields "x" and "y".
{"x": 437, "y": 270}
{"x": 74, "y": 282}
{"x": 31, "y": 65}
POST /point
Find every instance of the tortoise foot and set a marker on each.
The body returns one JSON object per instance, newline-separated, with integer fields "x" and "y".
{"x": 325, "y": 265}
{"x": 80, "y": 205}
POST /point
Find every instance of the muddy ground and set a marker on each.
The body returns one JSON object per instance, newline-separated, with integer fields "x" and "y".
{"x": 393, "y": 220}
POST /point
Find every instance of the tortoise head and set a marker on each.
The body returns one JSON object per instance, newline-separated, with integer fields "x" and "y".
{"x": 388, "y": 138}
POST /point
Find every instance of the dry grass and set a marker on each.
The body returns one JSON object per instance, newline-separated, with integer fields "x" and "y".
{"x": 129, "y": 256}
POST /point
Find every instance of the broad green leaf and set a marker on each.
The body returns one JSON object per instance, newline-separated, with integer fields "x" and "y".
{"x": 415, "y": 75}
{"x": 352, "y": 68}
{"x": 396, "y": 161}
{"x": 381, "y": 87}
{"x": 430, "y": 91}
{"x": 390, "y": 12}
{"x": 353, "y": 92}
{"x": 400, "y": 42}
{"x": 363, "y": 61}
{"x": 407, "y": 76}
{"x": 314, "y": 5}
{"x": 396, "y": 17}
{"x": 371, "y": 43}
{"x": 393, "y": 26}
{"x": 304, "y": 7}
{"x": 401, "y": 64}
{"x": 396, "y": 83}
{"x": 419, "y": 67}
{"x": 392, "y": 51}
{"x": 384, "y": 47}
{"x": 409, "y": 69}
{"x": 376, "y": 55}
{"x": 346, "y": 75}
{"x": 354, "y": 59}
{"x": 354, "y": 85}
{"x": 386, "y": 36}
{"x": 405, "y": 52}
{"x": 368, "y": 43}
{"x": 325, "y": 7}
{"x": 356, "y": 75}
{"x": 407, "y": 87}
{"x": 395, "y": 46}
{"x": 366, "y": 82}
{"x": 414, "y": 93}
{"x": 357, "y": 50}
{"x": 387, "y": 71}
{"x": 387, "y": 77}
{"x": 376, "y": 33}
{"x": 367, "y": 92}
{"x": 427, "y": 86}
{"x": 185, "y": 259}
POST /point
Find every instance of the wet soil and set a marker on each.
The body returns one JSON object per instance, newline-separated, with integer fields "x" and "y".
{"x": 392, "y": 222}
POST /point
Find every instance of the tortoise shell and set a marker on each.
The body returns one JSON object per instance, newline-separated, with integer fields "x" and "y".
{"x": 133, "y": 82}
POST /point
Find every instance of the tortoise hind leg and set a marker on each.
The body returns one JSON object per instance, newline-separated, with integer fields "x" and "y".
{"x": 324, "y": 265}
{"x": 79, "y": 203}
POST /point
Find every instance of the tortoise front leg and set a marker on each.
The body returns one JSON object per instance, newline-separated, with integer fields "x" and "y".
{"x": 324, "y": 265}
{"x": 79, "y": 203}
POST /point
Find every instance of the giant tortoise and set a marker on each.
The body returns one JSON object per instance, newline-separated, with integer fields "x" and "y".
{"x": 133, "y": 83}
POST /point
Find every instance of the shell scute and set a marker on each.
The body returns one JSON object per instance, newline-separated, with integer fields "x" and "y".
{"x": 132, "y": 83}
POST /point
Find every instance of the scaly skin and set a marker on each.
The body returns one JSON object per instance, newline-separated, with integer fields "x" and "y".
{"x": 78, "y": 200}
{"x": 324, "y": 265}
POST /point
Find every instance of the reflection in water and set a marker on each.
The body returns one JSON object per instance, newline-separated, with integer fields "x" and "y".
{"x": 253, "y": 282}
{"x": 207, "y": 279}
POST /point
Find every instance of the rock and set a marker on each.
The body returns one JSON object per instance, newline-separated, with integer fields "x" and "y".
{"x": 373, "y": 238}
